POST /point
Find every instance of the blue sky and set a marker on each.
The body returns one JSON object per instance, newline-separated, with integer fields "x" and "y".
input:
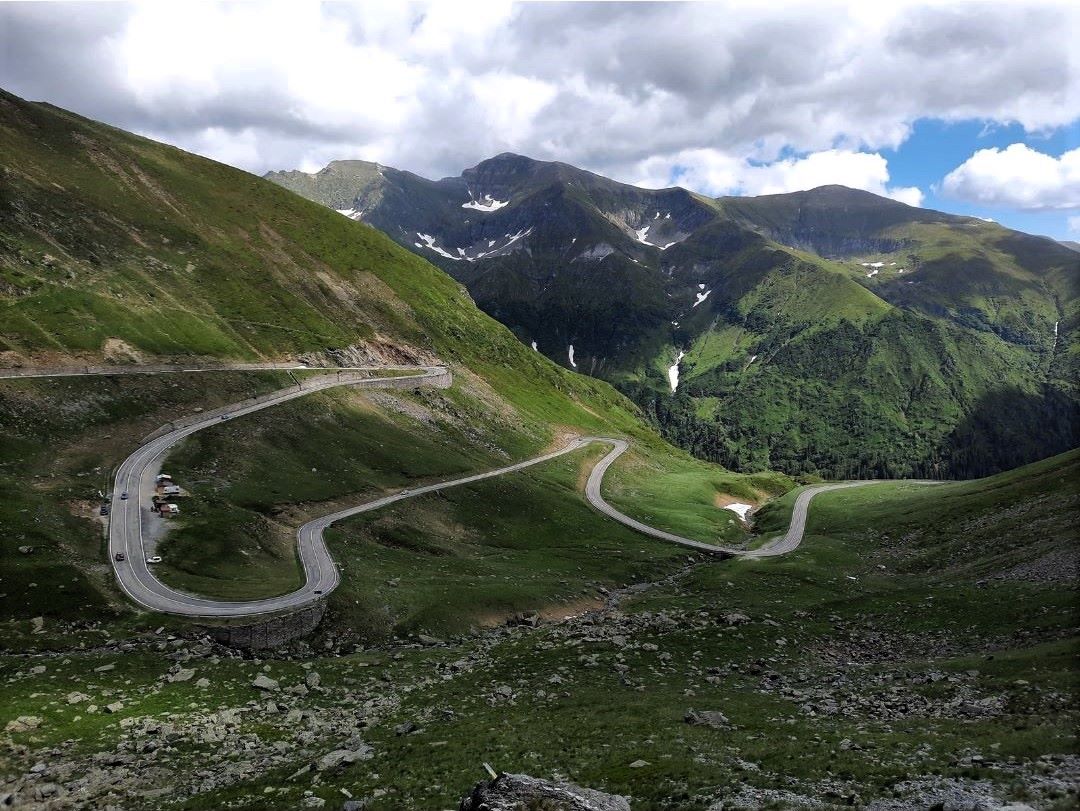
{"x": 936, "y": 147}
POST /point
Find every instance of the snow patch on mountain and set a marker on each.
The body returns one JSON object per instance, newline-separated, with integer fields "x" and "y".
{"x": 429, "y": 242}
{"x": 597, "y": 252}
{"x": 673, "y": 372}
{"x": 570, "y": 354}
{"x": 486, "y": 204}
{"x": 740, "y": 510}
{"x": 701, "y": 297}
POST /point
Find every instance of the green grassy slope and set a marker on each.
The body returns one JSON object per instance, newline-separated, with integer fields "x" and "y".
{"x": 176, "y": 255}
{"x": 115, "y": 247}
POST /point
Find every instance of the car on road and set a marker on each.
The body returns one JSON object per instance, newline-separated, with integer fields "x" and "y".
{"x": 224, "y": 416}
{"x": 318, "y": 591}
{"x": 104, "y": 509}
{"x": 119, "y": 556}
{"x": 154, "y": 559}
{"x": 123, "y": 496}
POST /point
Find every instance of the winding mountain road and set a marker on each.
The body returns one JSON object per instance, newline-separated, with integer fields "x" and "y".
{"x": 134, "y": 484}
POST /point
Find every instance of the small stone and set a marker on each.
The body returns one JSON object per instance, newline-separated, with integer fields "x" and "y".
{"x": 184, "y": 674}
{"x": 24, "y": 723}
{"x": 639, "y": 764}
{"x": 706, "y": 718}
{"x": 734, "y": 618}
{"x": 263, "y": 682}
{"x": 203, "y": 682}
{"x": 115, "y": 707}
{"x": 76, "y": 697}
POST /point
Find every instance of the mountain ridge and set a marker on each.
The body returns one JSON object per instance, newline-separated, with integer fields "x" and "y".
{"x": 667, "y": 293}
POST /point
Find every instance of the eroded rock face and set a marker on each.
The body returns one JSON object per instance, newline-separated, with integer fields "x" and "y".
{"x": 519, "y": 792}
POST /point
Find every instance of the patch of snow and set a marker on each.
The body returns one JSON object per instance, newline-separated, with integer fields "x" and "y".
{"x": 570, "y": 352}
{"x": 667, "y": 216}
{"x": 900, "y": 270}
{"x": 665, "y": 247}
{"x": 598, "y": 251}
{"x": 873, "y": 272}
{"x": 641, "y": 234}
{"x": 701, "y": 297}
{"x": 701, "y": 287}
{"x": 534, "y": 347}
{"x": 739, "y": 509}
{"x": 429, "y": 242}
{"x": 517, "y": 236}
{"x": 351, "y": 213}
{"x": 488, "y": 204}
{"x": 491, "y": 242}
{"x": 573, "y": 240}
{"x": 873, "y": 264}
{"x": 892, "y": 264}
{"x": 673, "y": 372}
{"x": 752, "y": 359}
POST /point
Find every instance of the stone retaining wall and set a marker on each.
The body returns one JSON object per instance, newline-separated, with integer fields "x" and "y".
{"x": 270, "y": 632}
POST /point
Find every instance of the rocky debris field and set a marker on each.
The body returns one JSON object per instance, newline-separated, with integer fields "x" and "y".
{"x": 280, "y": 723}
{"x": 718, "y": 704}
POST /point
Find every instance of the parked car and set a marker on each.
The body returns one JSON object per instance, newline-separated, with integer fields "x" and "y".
{"x": 154, "y": 559}
{"x": 123, "y": 496}
{"x": 119, "y": 556}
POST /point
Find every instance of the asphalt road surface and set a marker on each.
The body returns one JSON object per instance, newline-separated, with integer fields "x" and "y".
{"x": 135, "y": 477}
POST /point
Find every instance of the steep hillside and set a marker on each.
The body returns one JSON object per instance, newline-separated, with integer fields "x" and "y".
{"x": 828, "y": 331}
{"x": 115, "y": 246}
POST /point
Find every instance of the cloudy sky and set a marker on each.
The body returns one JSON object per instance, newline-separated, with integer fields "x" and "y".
{"x": 962, "y": 106}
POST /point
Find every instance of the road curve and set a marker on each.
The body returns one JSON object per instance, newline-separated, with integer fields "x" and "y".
{"x": 135, "y": 477}
{"x": 777, "y": 546}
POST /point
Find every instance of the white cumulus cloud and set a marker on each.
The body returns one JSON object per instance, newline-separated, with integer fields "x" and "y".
{"x": 440, "y": 86}
{"x": 1074, "y": 225}
{"x": 717, "y": 173}
{"x": 1017, "y": 177}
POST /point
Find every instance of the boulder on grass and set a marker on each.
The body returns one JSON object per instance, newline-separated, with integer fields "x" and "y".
{"x": 519, "y": 792}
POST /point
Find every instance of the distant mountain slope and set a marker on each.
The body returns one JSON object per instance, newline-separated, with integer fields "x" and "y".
{"x": 830, "y": 330}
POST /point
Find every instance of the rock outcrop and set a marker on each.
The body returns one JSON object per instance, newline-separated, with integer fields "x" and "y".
{"x": 519, "y": 792}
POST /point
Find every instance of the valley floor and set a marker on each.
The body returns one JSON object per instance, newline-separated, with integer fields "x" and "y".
{"x": 872, "y": 666}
